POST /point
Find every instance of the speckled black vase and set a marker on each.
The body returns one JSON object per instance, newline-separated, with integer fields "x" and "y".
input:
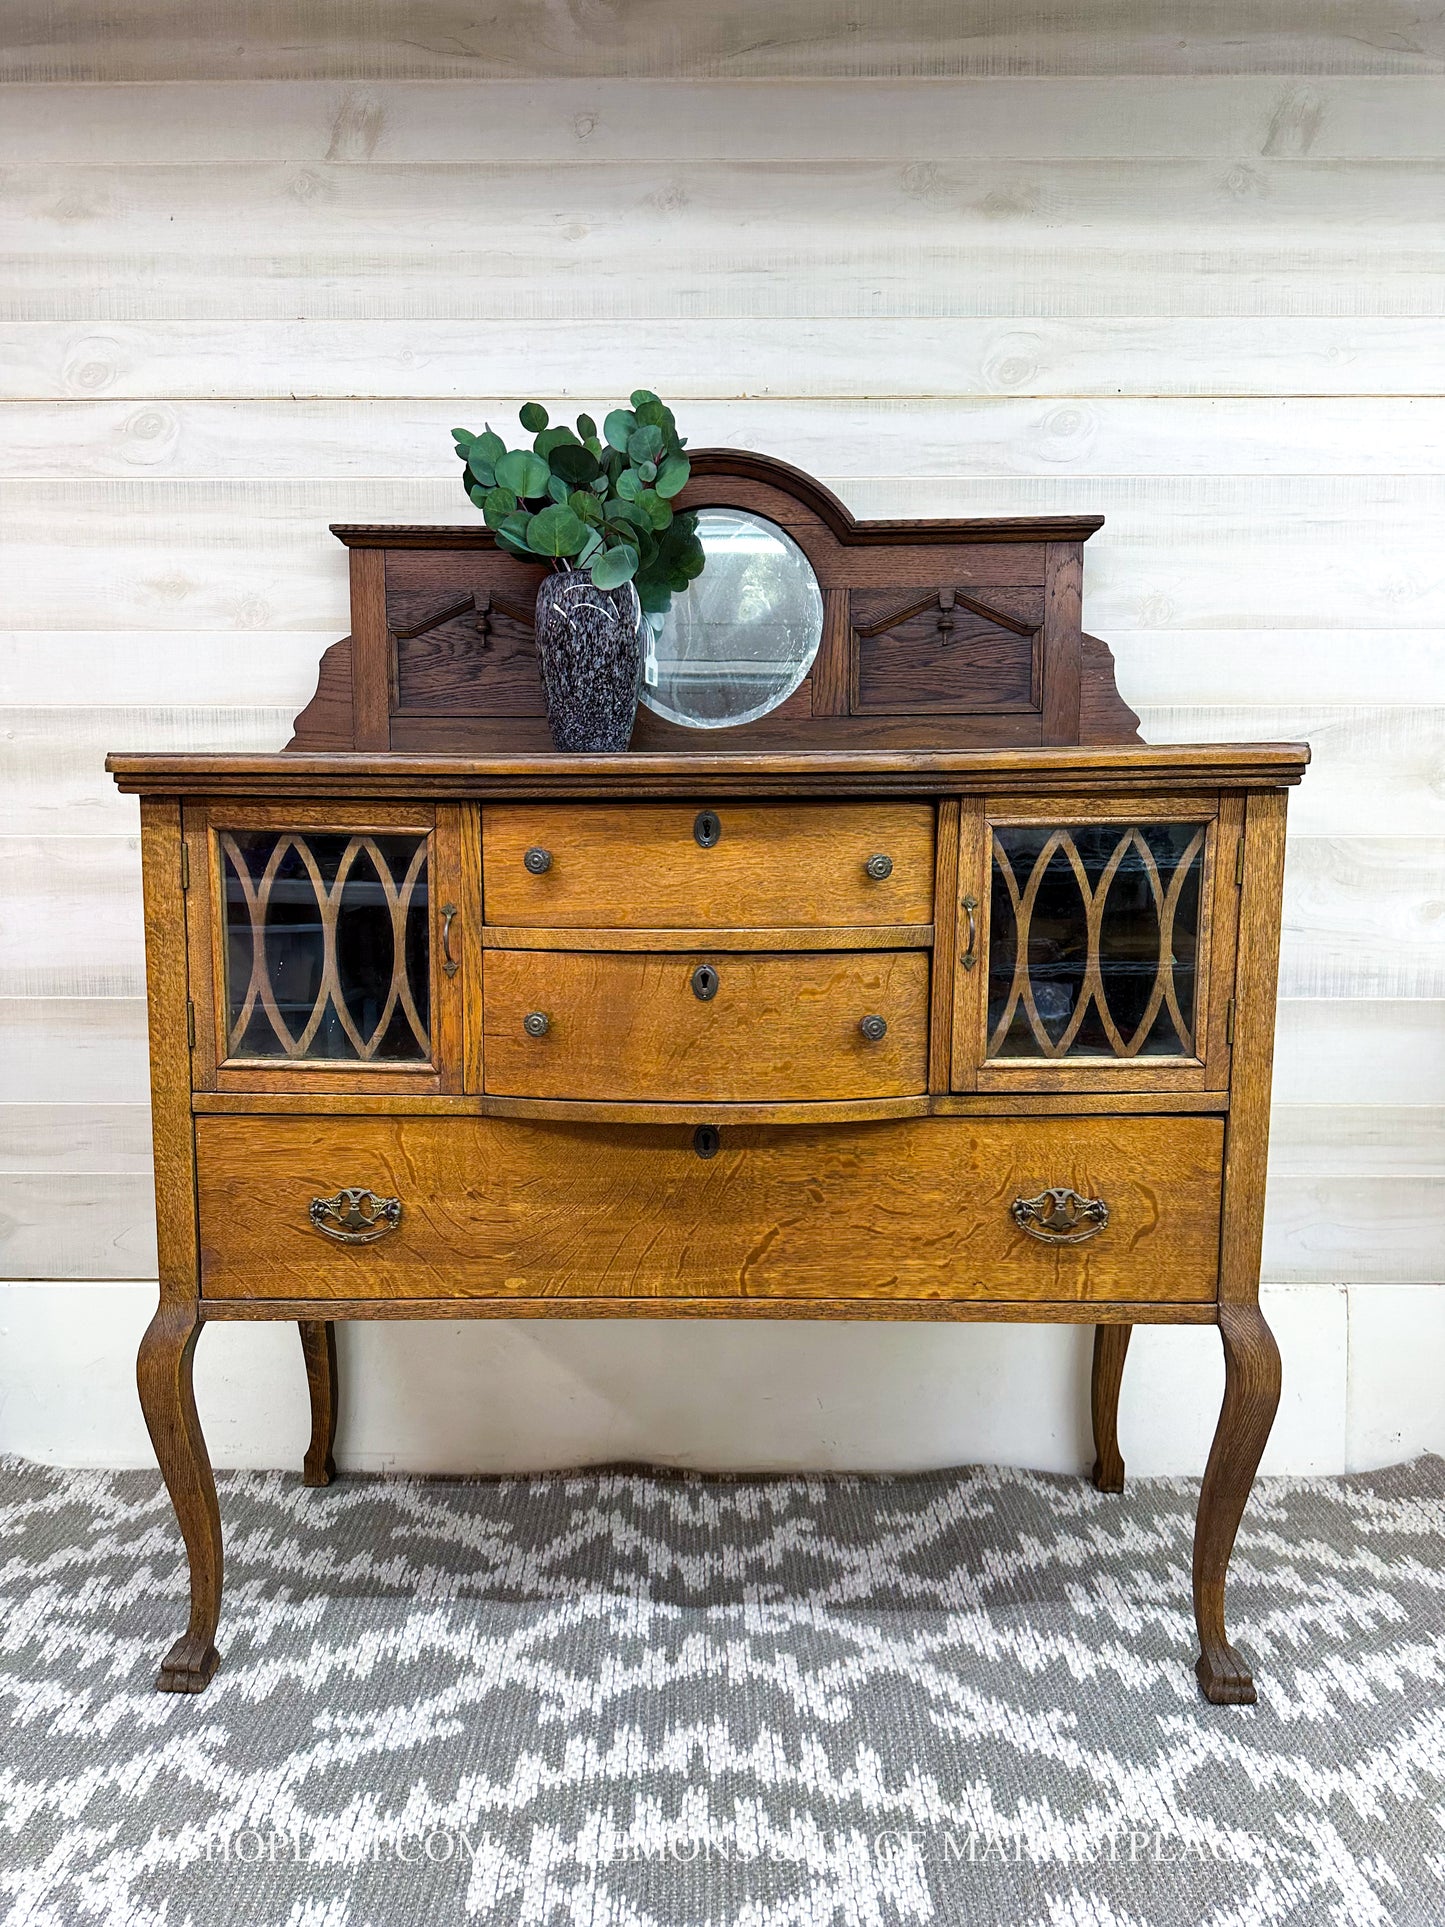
{"x": 591, "y": 655}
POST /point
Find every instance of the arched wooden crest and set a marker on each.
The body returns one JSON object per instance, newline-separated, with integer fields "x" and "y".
{"x": 936, "y": 635}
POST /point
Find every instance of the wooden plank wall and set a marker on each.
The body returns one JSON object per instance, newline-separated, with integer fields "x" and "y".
{"x": 1177, "y": 264}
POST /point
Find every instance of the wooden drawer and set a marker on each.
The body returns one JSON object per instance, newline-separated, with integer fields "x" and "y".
{"x": 914, "y": 1209}
{"x": 640, "y": 865}
{"x": 772, "y": 1026}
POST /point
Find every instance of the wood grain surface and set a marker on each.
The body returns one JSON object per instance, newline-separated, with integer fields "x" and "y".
{"x": 918, "y": 1209}
{"x": 640, "y": 864}
{"x": 628, "y": 1025}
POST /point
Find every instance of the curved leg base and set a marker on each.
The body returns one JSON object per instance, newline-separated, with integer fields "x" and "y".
{"x": 1111, "y": 1343}
{"x": 189, "y": 1667}
{"x": 1223, "y": 1677}
{"x": 1108, "y": 1478}
{"x": 318, "y": 1348}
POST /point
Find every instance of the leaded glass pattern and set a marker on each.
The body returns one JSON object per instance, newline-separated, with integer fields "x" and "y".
{"x": 1094, "y": 940}
{"x": 326, "y": 943}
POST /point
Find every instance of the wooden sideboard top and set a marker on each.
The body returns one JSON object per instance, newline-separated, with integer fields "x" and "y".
{"x": 1098, "y": 767}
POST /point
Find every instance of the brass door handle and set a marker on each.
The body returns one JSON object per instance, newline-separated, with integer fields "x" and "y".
{"x": 536, "y": 1023}
{"x": 969, "y": 957}
{"x": 1060, "y": 1216}
{"x": 355, "y": 1216}
{"x": 449, "y": 962}
{"x": 874, "y": 1028}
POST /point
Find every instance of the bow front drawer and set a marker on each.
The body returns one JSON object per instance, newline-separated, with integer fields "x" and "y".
{"x": 744, "y": 1027}
{"x": 941, "y": 1208}
{"x": 641, "y": 866}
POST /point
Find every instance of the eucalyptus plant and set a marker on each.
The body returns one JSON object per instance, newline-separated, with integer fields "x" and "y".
{"x": 599, "y": 503}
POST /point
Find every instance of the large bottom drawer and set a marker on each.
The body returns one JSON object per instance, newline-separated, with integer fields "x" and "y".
{"x": 1064, "y": 1208}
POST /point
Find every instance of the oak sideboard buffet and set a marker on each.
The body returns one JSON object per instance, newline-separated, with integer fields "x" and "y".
{"x": 920, "y": 988}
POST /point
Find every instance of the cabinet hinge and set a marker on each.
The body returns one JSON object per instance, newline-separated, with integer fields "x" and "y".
{"x": 185, "y": 868}
{"x": 1239, "y": 861}
{"x": 1229, "y": 1023}
{"x": 191, "y": 1023}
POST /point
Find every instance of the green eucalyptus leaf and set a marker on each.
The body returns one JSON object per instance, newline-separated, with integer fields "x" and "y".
{"x": 590, "y": 546}
{"x": 672, "y": 477}
{"x": 654, "y": 595}
{"x": 652, "y": 414}
{"x": 551, "y": 438}
{"x": 479, "y": 469}
{"x": 629, "y": 485}
{"x": 463, "y": 437}
{"x": 614, "y": 566}
{"x": 594, "y": 448}
{"x": 519, "y": 549}
{"x": 586, "y": 428}
{"x": 659, "y": 512}
{"x": 556, "y": 531}
{"x": 490, "y": 446}
{"x": 497, "y": 505}
{"x": 515, "y": 527}
{"x": 523, "y": 472}
{"x": 558, "y": 489}
{"x": 618, "y": 428}
{"x": 648, "y": 471}
{"x": 641, "y": 396}
{"x": 574, "y": 463}
{"x": 644, "y": 444}
{"x": 532, "y": 415}
{"x": 477, "y": 495}
{"x": 585, "y": 504}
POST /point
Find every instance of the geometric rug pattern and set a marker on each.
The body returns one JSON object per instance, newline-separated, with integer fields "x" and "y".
{"x": 629, "y": 1699}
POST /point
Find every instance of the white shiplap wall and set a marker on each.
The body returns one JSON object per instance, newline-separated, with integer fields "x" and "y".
{"x": 1178, "y": 265}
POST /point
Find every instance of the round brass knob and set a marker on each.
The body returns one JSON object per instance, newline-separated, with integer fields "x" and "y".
{"x": 538, "y": 860}
{"x": 873, "y": 1028}
{"x": 536, "y": 1023}
{"x": 879, "y": 867}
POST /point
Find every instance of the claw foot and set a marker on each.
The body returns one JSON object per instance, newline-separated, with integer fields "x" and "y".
{"x": 189, "y": 1667}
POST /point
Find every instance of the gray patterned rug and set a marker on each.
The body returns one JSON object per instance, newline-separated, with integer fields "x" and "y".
{"x": 615, "y": 1700}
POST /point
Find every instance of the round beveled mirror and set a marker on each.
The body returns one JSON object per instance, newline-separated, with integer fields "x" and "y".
{"x": 742, "y": 637}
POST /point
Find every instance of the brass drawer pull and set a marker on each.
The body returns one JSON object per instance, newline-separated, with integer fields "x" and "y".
{"x": 355, "y": 1216}
{"x": 874, "y": 1028}
{"x": 879, "y": 867}
{"x": 705, "y": 981}
{"x": 1060, "y": 1216}
{"x": 536, "y": 1023}
{"x": 707, "y": 829}
{"x": 449, "y": 962}
{"x": 969, "y": 959}
{"x": 538, "y": 860}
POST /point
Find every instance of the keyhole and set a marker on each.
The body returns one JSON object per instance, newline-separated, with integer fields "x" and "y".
{"x": 707, "y": 828}
{"x": 706, "y": 1140}
{"x": 704, "y": 983}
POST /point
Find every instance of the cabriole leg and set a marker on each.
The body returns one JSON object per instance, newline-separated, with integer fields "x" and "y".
{"x": 1251, "y": 1394}
{"x": 1111, "y": 1342}
{"x": 318, "y": 1348}
{"x": 163, "y": 1374}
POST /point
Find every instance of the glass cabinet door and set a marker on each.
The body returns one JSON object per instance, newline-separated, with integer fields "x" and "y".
{"x": 1099, "y": 940}
{"x": 326, "y": 946}
{"x": 323, "y": 953}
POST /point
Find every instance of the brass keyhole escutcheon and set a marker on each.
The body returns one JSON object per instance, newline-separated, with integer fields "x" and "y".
{"x": 707, "y": 1140}
{"x": 538, "y": 860}
{"x": 707, "y": 829}
{"x": 705, "y": 981}
{"x": 536, "y": 1023}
